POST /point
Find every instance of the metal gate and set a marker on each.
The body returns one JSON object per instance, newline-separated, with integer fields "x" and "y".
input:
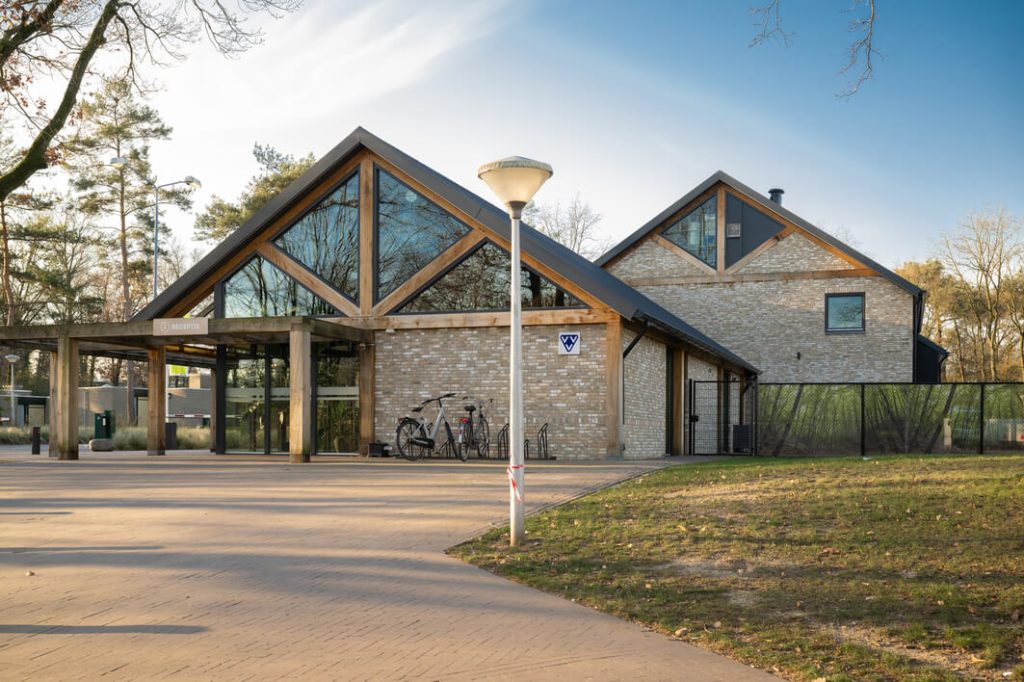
{"x": 721, "y": 417}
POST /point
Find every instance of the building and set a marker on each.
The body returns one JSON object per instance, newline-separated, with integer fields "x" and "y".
{"x": 788, "y": 297}
{"x": 372, "y": 283}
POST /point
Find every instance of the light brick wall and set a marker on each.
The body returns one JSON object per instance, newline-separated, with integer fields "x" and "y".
{"x": 768, "y": 322}
{"x": 644, "y": 398}
{"x": 566, "y": 391}
{"x": 795, "y": 253}
{"x": 650, "y": 259}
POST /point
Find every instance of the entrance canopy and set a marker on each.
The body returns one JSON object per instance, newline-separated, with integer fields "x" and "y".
{"x": 184, "y": 344}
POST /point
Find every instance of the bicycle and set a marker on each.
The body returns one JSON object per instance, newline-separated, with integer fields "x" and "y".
{"x": 475, "y": 434}
{"x": 415, "y": 436}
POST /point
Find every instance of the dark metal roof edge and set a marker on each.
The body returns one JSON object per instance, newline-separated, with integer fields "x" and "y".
{"x": 922, "y": 339}
{"x": 771, "y": 206}
{"x": 240, "y": 237}
{"x": 658, "y": 219}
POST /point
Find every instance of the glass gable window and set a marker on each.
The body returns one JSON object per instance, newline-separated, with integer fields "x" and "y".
{"x": 326, "y": 239}
{"x": 411, "y": 232}
{"x": 844, "y": 312}
{"x": 481, "y": 282}
{"x": 259, "y": 289}
{"x": 696, "y": 232}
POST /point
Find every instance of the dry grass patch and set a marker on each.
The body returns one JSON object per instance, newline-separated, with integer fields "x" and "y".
{"x": 891, "y": 568}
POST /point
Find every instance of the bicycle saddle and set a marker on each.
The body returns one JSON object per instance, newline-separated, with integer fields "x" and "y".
{"x": 470, "y": 408}
{"x": 418, "y": 409}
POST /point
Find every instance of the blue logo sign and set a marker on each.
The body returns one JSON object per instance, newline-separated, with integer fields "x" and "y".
{"x": 569, "y": 343}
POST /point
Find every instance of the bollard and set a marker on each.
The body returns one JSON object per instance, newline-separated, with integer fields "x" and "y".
{"x": 35, "y": 440}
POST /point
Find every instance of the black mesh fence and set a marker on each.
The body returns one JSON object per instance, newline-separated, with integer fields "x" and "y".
{"x": 849, "y": 419}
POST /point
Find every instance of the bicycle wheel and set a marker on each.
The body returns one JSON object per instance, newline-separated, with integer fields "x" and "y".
{"x": 408, "y": 429}
{"x": 483, "y": 438}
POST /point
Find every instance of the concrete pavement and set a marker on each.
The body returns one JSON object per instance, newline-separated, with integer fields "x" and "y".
{"x": 204, "y": 568}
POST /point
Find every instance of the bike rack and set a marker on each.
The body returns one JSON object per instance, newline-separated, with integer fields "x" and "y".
{"x": 542, "y": 444}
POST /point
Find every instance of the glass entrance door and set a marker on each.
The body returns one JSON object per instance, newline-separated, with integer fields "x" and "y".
{"x": 337, "y": 398}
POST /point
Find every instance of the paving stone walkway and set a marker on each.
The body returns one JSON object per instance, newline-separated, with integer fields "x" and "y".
{"x": 194, "y": 567}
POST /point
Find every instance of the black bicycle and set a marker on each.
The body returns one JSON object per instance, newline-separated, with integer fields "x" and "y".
{"x": 416, "y": 437}
{"x": 474, "y": 431}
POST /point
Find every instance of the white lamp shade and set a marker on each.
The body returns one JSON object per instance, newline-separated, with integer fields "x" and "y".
{"x": 11, "y": 357}
{"x": 515, "y": 180}
{"x": 119, "y": 162}
{"x": 193, "y": 182}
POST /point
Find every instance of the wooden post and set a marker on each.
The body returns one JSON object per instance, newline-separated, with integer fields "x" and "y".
{"x": 678, "y": 411}
{"x": 367, "y": 387}
{"x": 53, "y": 403}
{"x": 613, "y": 379}
{"x": 156, "y": 401}
{"x": 300, "y": 395}
{"x": 214, "y": 390}
{"x": 65, "y": 422}
{"x": 367, "y": 196}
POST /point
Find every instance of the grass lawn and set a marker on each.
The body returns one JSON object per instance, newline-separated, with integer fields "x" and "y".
{"x": 837, "y": 569}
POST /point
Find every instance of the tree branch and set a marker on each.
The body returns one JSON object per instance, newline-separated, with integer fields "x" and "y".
{"x": 35, "y": 157}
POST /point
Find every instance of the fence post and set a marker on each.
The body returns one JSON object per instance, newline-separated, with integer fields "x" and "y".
{"x": 981, "y": 421}
{"x": 863, "y": 445}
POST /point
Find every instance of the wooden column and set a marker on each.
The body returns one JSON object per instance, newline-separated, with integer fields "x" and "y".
{"x": 367, "y": 194}
{"x": 65, "y": 407}
{"x": 367, "y": 387}
{"x": 678, "y": 409}
{"x": 52, "y": 406}
{"x": 687, "y": 446}
{"x": 613, "y": 379}
{"x": 300, "y": 395}
{"x": 156, "y": 400}
{"x": 214, "y": 390}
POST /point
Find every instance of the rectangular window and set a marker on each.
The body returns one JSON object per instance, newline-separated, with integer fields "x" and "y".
{"x": 844, "y": 312}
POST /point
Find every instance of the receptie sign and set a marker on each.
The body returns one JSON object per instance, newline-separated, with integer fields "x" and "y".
{"x": 568, "y": 343}
{"x": 181, "y": 326}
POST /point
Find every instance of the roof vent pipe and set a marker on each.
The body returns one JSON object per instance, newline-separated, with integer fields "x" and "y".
{"x": 776, "y": 195}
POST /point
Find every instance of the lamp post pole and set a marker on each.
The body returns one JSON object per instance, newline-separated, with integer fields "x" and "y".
{"x": 193, "y": 183}
{"x": 515, "y": 180}
{"x": 12, "y": 358}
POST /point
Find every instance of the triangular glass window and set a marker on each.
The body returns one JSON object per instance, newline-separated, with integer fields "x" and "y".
{"x": 481, "y": 282}
{"x": 411, "y": 232}
{"x": 326, "y": 239}
{"x": 259, "y": 289}
{"x": 697, "y": 232}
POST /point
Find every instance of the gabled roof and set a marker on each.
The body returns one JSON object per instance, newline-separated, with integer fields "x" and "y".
{"x": 607, "y": 288}
{"x": 771, "y": 207}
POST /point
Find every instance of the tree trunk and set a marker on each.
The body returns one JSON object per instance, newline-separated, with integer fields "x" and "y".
{"x": 126, "y": 293}
{"x": 6, "y": 246}
{"x": 789, "y": 422}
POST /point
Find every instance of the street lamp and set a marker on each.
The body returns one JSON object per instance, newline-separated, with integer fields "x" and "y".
{"x": 119, "y": 162}
{"x": 515, "y": 180}
{"x": 12, "y": 358}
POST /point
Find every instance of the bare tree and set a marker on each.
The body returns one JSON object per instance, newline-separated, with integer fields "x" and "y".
{"x": 860, "y": 53}
{"x": 573, "y": 225}
{"x": 984, "y": 253}
{"x": 61, "y": 41}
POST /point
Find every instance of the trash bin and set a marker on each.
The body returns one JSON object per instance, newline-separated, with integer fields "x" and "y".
{"x": 171, "y": 435}
{"x": 102, "y": 426}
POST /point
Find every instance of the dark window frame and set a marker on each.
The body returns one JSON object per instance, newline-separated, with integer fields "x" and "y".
{"x": 277, "y": 235}
{"x": 863, "y": 312}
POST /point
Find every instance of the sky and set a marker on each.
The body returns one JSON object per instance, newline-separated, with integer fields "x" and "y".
{"x": 633, "y": 104}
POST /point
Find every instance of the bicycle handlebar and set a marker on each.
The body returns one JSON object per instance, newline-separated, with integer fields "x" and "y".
{"x": 438, "y": 398}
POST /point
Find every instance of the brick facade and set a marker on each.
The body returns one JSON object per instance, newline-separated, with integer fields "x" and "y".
{"x": 769, "y": 322}
{"x": 567, "y": 391}
{"x": 644, "y": 398}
